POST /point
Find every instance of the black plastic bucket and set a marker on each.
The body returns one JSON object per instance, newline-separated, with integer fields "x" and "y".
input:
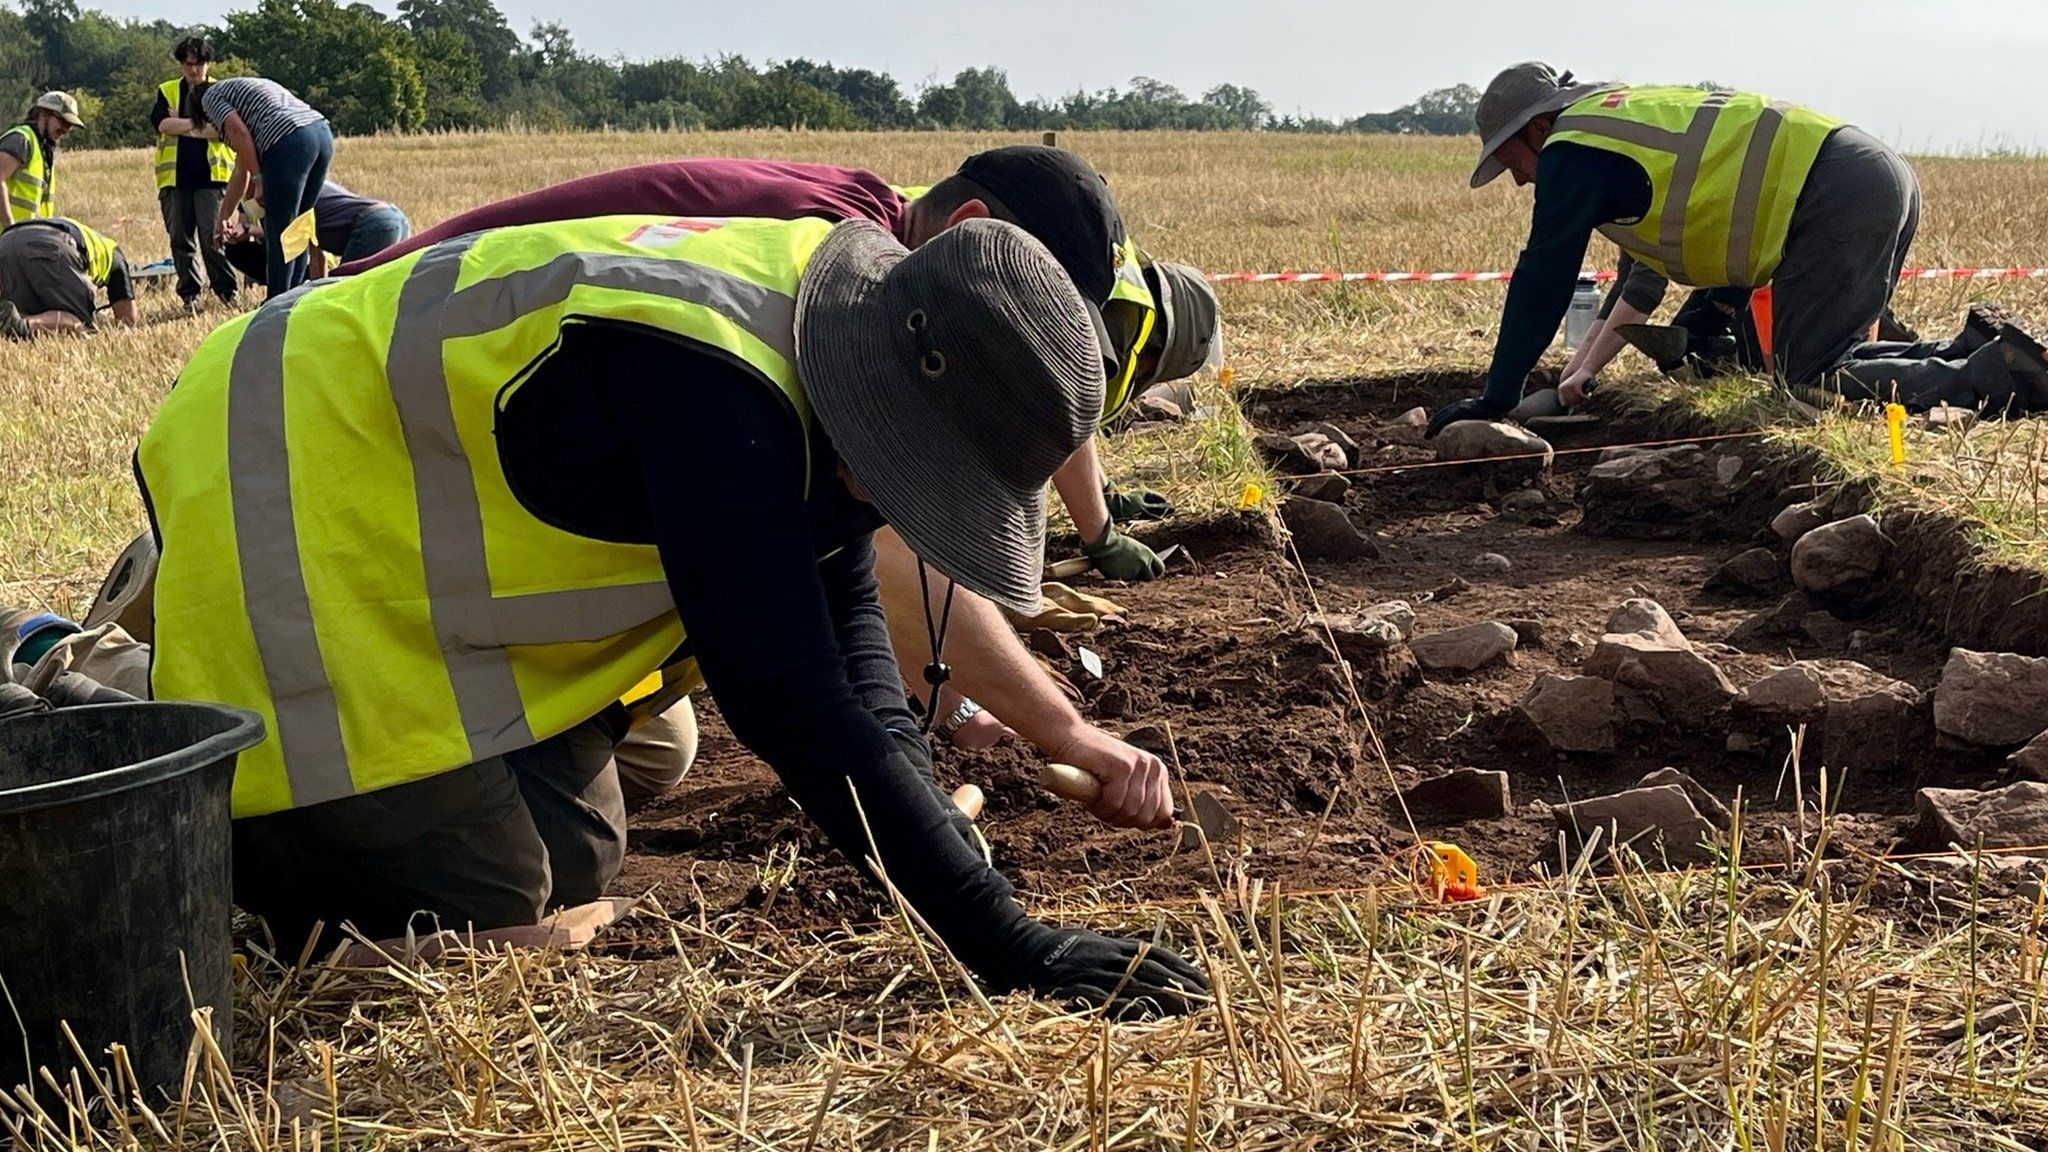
{"x": 115, "y": 885}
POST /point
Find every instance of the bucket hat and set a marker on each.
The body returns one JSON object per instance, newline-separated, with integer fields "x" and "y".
{"x": 1189, "y": 331}
{"x": 953, "y": 381}
{"x": 1519, "y": 94}
{"x": 63, "y": 104}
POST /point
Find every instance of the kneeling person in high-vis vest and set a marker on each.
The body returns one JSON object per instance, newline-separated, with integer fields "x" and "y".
{"x": 50, "y": 273}
{"x": 1710, "y": 189}
{"x": 433, "y": 521}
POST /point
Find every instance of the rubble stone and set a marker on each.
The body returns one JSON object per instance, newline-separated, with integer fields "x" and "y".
{"x": 1705, "y": 802}
{"x": 1842, "y": 560}
{"x": 1471, "y": 793}
{"x": 2015, "y": 816}
{"x": 1992, "y": 699}
{"x": 1570, "y": 713}
{"x": 1323, "y": 532}
{"x": 1757, "y": 571}
{"x": 1466, "y": 649}
{"x": 1659, "y": 823}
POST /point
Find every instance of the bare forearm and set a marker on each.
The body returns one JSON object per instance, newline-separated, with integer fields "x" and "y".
{"x": 1585, "y": 348}
{"x": 124, "y": 311}
{"x": 990, "y": 664}
{"x": 1605, "y": 343}
{"x": 1079, "y": 483}
{"x": 176, "y": 126}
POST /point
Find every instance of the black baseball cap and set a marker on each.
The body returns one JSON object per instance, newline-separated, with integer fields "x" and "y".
{"x": 1061, "y": 200}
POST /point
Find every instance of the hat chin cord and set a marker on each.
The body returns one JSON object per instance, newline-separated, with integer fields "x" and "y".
{"x": 937, "y": 672}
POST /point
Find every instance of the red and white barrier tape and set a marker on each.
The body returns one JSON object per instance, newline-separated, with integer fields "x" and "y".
{"x": 1607, "y": 274}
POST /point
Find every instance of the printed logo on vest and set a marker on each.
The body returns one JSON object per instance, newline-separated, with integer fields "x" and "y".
{"x": 669, "y": 232}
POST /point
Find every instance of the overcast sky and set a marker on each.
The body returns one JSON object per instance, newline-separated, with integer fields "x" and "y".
{"x": 1924, "y": 74}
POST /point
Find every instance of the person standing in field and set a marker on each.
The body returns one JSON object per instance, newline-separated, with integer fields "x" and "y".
{"x": 276, "y": 136}
{"x": 28, "y": 157}
{"x": 576, "y": 449}
{"x": 193, "y": 167}
{"x": 1709, "y": 189}
{"x": 49, "y": 270}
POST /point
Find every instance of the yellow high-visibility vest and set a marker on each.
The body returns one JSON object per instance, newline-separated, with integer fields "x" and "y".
{"x": 99, "y": 252}
{"x": 220, "y": 158}
{"x": 341, "y": 549}
{"x": 1130, "y": 314}
{"x": 32, "y": 190}
{"x": 1725, "y": 171}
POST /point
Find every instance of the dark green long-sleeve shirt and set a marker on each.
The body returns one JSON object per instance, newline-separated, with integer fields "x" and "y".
{"x": 1578, "y": 188}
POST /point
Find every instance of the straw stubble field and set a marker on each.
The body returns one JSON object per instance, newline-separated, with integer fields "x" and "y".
{"x": 1810, "y": 996}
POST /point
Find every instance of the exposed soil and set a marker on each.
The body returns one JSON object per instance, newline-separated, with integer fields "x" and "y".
{"x": 1217, "y": 670}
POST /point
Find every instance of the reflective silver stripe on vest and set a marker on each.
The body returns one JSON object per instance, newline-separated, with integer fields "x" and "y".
{"x": 1749, "y": 189}
{"x": 767, "y": 315}
{"x": 1687, "y": 148}
{"x": 472, "y": 625}
{"x": 273, "y": 581}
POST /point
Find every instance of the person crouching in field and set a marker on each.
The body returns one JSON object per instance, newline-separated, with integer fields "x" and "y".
{"x": 347, "y": 227}
{"x": 574, "y": 451}
{"x": 49, "y": 271}
{"x": 1709, "y": 189}
{"x": 1062, "y": 201}
{"x": 277, "y": 137}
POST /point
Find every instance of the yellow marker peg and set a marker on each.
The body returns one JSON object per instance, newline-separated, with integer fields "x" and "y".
{"x": 1250, "y": 497}
{"x": 1448, "y": 873}
{"x": 1895, "y": 421}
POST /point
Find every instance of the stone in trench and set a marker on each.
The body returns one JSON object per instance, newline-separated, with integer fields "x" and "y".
{"x": 2015, "y": 816}
{"x": 1491, "y": 562}
{"x": 1323, "y": 532}
{"x": 1470, "y": 793}
{"x": 1569, "y": 713}
{"x": 2031, "y": 762}
{"x": 1407, "y": 428}
{"x": 1855, "y": 717}
{"x": 1646, "y": 617}
{"x": 1342, "y": 439}
{"x": 1679, "y": 492}
{"x": 1797, "y": 520}
{"x": 1529, "y": 633}
{"x": 1359, "y": 636}
{"x": 1705, "y": 802}
{"x": 1841, "y": 561}
{"x": 1682, "y": 685}
{"x": 1992, "y": 699}
{"x": 1659, "y": 823}
{"x": 1300, "y": 455}
{"x": 1493, "y": 439}
{"x": 1756, "y": 572}
{"x": 1328, "y": 487}
{"x": 1466, "y": 649}
{"x": 1524, "y": 500}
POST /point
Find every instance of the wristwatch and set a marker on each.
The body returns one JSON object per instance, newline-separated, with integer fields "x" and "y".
{"x": 967, "y": 710}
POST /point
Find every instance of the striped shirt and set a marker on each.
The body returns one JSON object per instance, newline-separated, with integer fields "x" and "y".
{"x": 270, "y": 112}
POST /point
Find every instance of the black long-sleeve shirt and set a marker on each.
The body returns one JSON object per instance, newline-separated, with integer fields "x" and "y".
{"x": 626, "y": 436}
{"x": 1578, "y": 188}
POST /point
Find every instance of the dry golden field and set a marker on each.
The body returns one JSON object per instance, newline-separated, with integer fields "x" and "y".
{"x": 1720, "y": 1009}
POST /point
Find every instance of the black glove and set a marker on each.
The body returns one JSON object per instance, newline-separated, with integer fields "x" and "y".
{"x": 1076, "y": 965}
{"x": 1120, "y": 557}
{"x": 1135, "y": 505}
{"x": 1470, "y": 408}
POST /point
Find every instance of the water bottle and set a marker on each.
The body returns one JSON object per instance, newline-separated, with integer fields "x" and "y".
{"x": 1578, "y": 319}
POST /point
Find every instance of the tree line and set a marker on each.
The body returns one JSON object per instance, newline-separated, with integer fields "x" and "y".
{"x": 451, "y": 65}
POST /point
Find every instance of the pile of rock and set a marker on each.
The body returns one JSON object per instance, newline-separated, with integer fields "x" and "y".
{"x": 1667, "y": 817}
{"x": 1681, "y": 492}
{"x": 1315, "y": 458}
{"x": 1854, "y": 716}
{"x": 1643, "y": 672}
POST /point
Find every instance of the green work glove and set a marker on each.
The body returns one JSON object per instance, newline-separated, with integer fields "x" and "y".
{"x": 1119, "y": 557}
{"x": 1135, "y": 505}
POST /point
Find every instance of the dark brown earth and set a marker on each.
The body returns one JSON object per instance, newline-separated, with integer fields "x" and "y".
{"x": 1218, "y": 670}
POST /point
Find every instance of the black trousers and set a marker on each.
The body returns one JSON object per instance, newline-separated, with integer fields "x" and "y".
{"x": 189, "y": 214}
{"x": 494, "y": 844}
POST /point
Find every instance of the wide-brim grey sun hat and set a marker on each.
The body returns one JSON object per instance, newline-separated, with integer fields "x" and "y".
{"x": 953, "y": 381}
{"x": 1189, "y": 327}
{"x": 1519, "y": 94}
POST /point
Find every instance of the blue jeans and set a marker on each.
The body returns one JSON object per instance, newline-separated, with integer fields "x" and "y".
{"x": 375, "y": 230}
{"x": 294, "y": 168}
